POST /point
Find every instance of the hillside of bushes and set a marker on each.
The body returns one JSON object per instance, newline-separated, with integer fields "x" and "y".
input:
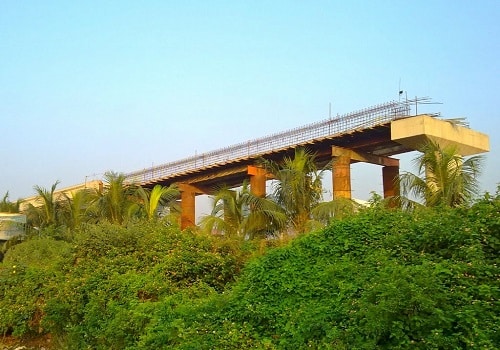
{"x": 382, "y": 279}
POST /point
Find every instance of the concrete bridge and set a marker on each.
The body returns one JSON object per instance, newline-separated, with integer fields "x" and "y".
{"x": 372, "y": 135}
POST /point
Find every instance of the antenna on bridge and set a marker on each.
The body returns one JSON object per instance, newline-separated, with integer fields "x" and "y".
{"x": 330, "y": 110}
{"x": 400, "y": 92}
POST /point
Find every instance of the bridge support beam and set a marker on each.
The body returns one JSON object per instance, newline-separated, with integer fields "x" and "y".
{"x": 341, "y": 171}
{"x": 389, "y": 180}
{"x": 188, "y": 206}
{"x": 258, "y": 177}
{"x": 341, "y": 176}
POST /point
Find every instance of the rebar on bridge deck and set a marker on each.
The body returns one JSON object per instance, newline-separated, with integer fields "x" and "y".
{"x": 329, "y": 128}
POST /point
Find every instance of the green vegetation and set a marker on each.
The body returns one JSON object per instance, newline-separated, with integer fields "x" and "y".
{"x": 242, "y": 214}
{"x": 105, "y": 270}
{"x": 7, "y": 206}
{"x": 299, "y": 187}
{"x": 295, "y": 205}
{"x": 379, "y": 280}
{"x": 117, "y": 202}
{"x": 444, "y": 177}
{"x": 382, "y": 279}
{"x": 81, "y": 290}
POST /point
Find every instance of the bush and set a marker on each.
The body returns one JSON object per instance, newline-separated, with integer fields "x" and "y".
{"x": 380, "y": 280}
{"x": 29, "y": 276}
{"x": 42, "y": 253}
{"x": 102, "y": 289}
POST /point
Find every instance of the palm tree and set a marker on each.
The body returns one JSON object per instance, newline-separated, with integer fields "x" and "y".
{"x": 242, "y": 214}
{"x": 152, "y": 200}
{"x": 75, "y": 206}
{"x": 47, "y": 211}
{"x": 265, "y": 217}
{"x": 7, "y": 206}
{"x": 116, "y": 202}
{"x": 444, "y": 177}
{"x": 227, "y": 213}
{"x": 298, "y": 188}
{"x": 324, "y": 213}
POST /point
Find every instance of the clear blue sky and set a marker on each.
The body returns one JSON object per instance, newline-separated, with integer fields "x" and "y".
{"x": 91, "y": 86}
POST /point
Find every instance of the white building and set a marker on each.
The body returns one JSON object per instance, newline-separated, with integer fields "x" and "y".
{"x": 12, "y": 225}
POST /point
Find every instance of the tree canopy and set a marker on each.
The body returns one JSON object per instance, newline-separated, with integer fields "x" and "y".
{"x": 444, "y": 177}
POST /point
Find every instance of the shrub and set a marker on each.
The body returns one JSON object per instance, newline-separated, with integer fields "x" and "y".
{"x": 382, "y": 279}
{"x": 379, "y": 280}
{"x": 29, "y": 276}
{"x": 123, "y": 273}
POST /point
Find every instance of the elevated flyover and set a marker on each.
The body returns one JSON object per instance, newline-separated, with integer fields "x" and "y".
{"x": 370, "y": 135}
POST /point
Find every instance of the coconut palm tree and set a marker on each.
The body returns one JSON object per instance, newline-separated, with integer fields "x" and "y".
{"x": 324, "y": 213}
{"x": 116, "y": 202}
{"x": 298, "y": 188}
{"x": 444, "y": 177}
{"x": 265, "y": 217}
{"x": 6, "y": 206}
{"x": 74, "y": 208}
{"x": 227, "y": 213}
{"x": 240, "y": 213}
{"x": 152, "y": 200}
{"x": 46, "y": 212}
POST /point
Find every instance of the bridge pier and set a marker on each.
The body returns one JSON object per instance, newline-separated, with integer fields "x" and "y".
{"x": 258, "y": 177}
{"x": 389, "y": 180}
{"x": 188, "y": 205}
{"x": 341, "y": 171}
{"x": 341, "y": 176}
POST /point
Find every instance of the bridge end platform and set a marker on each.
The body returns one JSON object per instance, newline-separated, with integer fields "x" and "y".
{"x": 415, "y": 131}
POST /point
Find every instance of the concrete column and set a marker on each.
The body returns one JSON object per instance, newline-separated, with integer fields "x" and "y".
{"x": 341, "y": 174}
{"x": 257, "y": 181}
{"x": 389, "y": 179}
{"x": 188, "y": 212}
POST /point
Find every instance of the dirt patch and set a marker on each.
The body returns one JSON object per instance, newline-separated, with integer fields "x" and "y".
{"x": 42, "y": 342}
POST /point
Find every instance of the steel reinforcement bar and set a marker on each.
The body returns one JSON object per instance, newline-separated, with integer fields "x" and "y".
{"x": 328, "y": 128}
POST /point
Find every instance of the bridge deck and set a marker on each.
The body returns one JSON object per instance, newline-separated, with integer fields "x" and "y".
{"x": 367, "y": 130}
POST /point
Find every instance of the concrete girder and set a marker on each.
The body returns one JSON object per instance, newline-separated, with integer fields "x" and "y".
{"x": 364, "y": 157}
{"x": 414, "y": 132}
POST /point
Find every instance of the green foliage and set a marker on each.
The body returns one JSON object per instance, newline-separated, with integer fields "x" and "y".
{"x": 74, "y": 208}
{"x": 382, "y": 279}
{"x": 444, "y": 177}
{"x": 152, "y": 200}
{"x": 30, "y": 274}
{"x": 6, "y": 206}
{"x": 41, "y": 253}
{"x": 20, "y": 299}
{"x": 379, "y": 280}
{"x": 242, "y": 214}
{"x": 102, "y": 289}
{"x": 299, "y": 187}
{"x": 46, "y": 212}
{"x": 116, "y": 203}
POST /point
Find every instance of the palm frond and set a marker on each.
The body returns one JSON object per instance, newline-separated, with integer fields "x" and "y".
{"x": 444, "y": 177}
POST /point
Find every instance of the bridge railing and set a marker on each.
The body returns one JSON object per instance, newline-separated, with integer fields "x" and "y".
{"x": 358, "y": 120}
